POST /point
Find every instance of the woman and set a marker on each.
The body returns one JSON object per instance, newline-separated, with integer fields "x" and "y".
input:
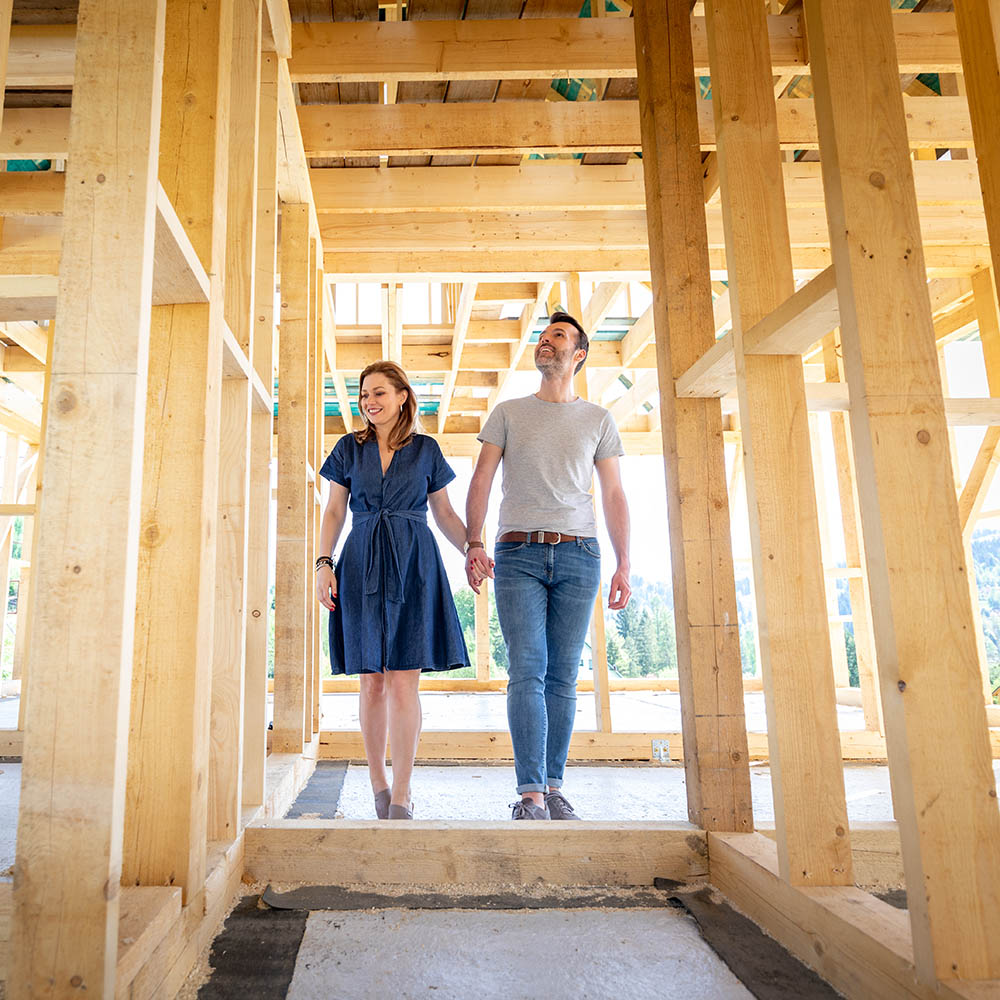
{"x": 391, "y": 610}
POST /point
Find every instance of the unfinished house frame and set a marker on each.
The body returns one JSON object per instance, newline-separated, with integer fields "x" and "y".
{"x": 815, "y": 220}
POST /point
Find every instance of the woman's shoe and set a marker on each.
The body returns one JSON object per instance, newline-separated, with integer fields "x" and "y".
{"x": 400, "y": 812}
{"x": 382, "y": 803}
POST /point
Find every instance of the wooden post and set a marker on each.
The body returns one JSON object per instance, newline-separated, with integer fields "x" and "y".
{"x": 225, "y": 778}
{"x": 261, "y": 430}
{"x": 943, "y": 789}
{"x": 12, "y": 445}
{"x": 6, "y": 9}
{"x": 165, "y": 832}
{"x": 803, "y": 741}
{"x": 861, "y": 616}
{"x": 64, "y": 934}
{"x": 316, "y": 460}
{"x": 716, "y": 761}
{"x": 838, "y": 649}
{"x": 483, "y": 632}
{"x": 978, "y": 23}
{"x": 293, "y": 564}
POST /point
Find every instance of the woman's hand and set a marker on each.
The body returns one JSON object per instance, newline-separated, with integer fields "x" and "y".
{"x": 478, "y": 566}
{"x": 326, "y": 587}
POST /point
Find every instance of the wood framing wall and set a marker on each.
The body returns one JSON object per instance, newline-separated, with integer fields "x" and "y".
{"x": 802, "y": 258}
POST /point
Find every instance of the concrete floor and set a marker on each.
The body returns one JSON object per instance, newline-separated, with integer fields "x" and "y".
{"x": 457, "y": 954}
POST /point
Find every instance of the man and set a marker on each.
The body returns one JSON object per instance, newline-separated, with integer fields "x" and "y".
{"x": 548, "y": 564}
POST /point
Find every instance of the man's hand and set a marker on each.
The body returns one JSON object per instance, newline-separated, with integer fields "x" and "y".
{"x": 620, "y": 591}
{"x": 478, "y": 566}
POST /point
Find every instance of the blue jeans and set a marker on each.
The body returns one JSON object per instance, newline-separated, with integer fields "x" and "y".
{"x": 545, "y": 597}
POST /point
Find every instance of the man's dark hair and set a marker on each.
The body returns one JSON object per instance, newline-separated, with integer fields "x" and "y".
{"x": 582, "y": 340}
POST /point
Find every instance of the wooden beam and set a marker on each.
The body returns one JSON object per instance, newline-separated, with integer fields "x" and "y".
{"x": 32, "y": 193}
{"x": 813, "y": 843}
{"x": 715, "y": 747}
{"x": 552, "y": 48}
{"x": 529, "y": 316}
{"x": 533, "y": 265}
{"x": 294, "y": 494}
{"x": 978, "y": 26}
{"x": 277, "y": 36}
{"x": 168, "y": 749}
{"x": 258, "y": 590}
{"x": 856, "y": 942}
{"x": 560, "y": 185}
{"x": 945, "y": 803}
{"x": 70, "y": 819}
{"x": 621, "y": 854}
{"x": 564, "y": 127}
{"x": 568, "y": 231}
{"x": 462, "y": 314}
{"x": 599, "y": 305}
{"x": 6, "y": 9}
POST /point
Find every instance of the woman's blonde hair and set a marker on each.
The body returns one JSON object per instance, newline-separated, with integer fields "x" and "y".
{"x": 407, "y": 423}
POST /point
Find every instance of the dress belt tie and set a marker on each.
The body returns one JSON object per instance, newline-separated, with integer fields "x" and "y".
{"x": 383, "y": 539}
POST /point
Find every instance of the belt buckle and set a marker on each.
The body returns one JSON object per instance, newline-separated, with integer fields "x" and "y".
{"x": 558, "y": 538}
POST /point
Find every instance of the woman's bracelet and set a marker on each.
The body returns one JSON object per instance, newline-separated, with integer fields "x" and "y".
{"x": 324, "y": 561}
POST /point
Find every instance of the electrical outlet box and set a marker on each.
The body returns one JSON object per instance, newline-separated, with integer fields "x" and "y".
{"x": 661, "y": 751}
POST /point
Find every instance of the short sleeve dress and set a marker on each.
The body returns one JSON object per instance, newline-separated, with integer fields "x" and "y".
{"x": 394, "y": 608}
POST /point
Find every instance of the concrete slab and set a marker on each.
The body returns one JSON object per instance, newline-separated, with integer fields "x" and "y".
{"x": 550, "y": 954}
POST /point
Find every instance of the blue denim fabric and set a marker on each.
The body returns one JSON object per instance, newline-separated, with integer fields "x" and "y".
{"x": 545, "y": 597}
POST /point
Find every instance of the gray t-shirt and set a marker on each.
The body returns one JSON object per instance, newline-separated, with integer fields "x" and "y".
{"x": 549, "y": 451}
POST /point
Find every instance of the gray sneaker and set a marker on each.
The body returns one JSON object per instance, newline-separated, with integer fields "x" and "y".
{"x": 526, "y": 809}
{"x": 558, "y": 806}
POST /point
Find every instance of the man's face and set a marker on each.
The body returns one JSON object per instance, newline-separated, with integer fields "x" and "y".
{"x": 556, "y": 351}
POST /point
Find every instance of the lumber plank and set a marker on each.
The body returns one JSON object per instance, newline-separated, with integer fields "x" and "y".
{"x": 600, "y": 853}
{"x": 798, "y": 323}
{"x": 178, "y": 274}
{"x": 261, "y": 430}
{"x": 550, "y": 48}
{"x": 147, "y": 914}
{"x": 166, "y": 832}
{"x": 563, "y": 127}
{"x": 810, "y": 811}
{"x": 715, "y": 743}
{"x": 32, "y": 193}
{"x": 944, "y": 799}
{"x": 27, "y": 297}
{"x": 277, "y": 35}
{"x": 554, "y": 185}
{"x": 88, "y": 523}
{"x": 6, "y": 10}
{"x": 978, "y": 26}
{"x": 294, "y": 504}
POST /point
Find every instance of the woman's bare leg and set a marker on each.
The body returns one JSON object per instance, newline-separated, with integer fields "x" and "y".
{"x": 373, "y": 715}
{"x": 405, "y": 720}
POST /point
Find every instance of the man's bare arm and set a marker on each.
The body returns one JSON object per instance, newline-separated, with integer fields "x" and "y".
{"x": 478, "y": 565}
{"x": 617, "y": 519}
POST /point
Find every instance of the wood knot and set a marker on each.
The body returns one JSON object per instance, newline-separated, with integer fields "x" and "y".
{"x": 65, "y": 401}
{"x": 876, "y": 180}
{"x": 901, "y": 685}
{"x": 923, "y": 436}
{"x": 76, "y": 982}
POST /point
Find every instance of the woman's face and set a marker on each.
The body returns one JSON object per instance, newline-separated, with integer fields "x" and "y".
{"x": 381, "y": 401}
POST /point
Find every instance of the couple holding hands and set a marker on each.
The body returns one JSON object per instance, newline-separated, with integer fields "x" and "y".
{"x": 391, "y": 610}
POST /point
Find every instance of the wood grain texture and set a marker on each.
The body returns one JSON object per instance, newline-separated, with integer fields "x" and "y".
{"x": 425, "y": 853}
{"x": 294, "y": 493}
{"x": 944, "y": 799}
{"x": 813, "y": 842}
{"x": 715, "y": 747}
{"x": 72, "y": 804}
{"x": 165, "y": 833}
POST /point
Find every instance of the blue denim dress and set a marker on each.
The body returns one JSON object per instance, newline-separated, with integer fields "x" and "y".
{"x": 394, "y": 608}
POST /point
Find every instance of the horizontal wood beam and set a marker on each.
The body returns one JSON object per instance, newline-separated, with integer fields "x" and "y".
{"x": 567, "y": 127}
{"x": 559, "y": 185}
{"x": 554, "y": 48}
{"x": 343, "y": 851}
{"x": 536, "y": 265}
{"x": 566, "y": 231}
{"x": 537, "y": 48}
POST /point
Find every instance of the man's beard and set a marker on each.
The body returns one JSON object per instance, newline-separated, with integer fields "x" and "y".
{"x": 550, "y": 364}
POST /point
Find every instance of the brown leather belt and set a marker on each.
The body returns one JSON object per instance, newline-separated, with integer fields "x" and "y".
{"x": 540, "y": 537}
